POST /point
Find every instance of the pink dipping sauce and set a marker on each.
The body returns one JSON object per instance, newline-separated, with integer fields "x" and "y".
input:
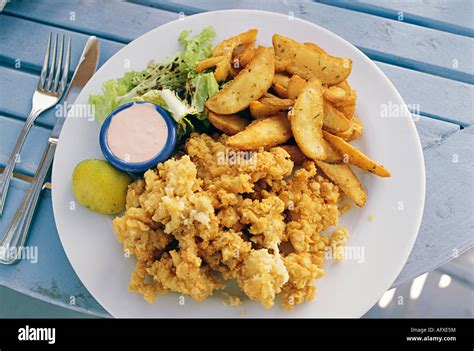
{"x": 137, "y": 134}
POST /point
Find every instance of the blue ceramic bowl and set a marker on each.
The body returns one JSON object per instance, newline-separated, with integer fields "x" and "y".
{"x": 140, "y": 166}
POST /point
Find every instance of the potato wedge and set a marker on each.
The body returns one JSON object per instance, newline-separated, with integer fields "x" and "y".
{"x": 315, "y": 47}
{"x": 226, "y": 48}
{"x": 355, "y": 157}
{"x": 348, "y": 111}
{"x": 357, "y": 128}
{"x": 229, "y": 124}
{"x": 268, "y": 96}
{"x": 339, "y": 97}
{"x": 268, "y": 132}
{"x": 221, "y": 63}
{"x": 282, "y": 79}
{"x": 280, "y": 90}
{"x": 345, "y": 86}
{"x": 295, "y": 85}
{"x": 281, "y": 64}
{"x": 354, "y": 132}
{"x": 223, "y": 48}
{"x": 295, "y": 153}
{"x": 249, "y": 85}
{"x": 344, "y": 177}
{"x": 307, "y": 119}
{"x": 209, "y": 63}
{"x": 334, "y": 121}
{"x": 260, "y": 110}
{"x": 334, "y": 94}
{"x": 281, "y": 104}
{"x": 309, "y": 63}
{"x": 244, "y": 54}
{"x": 222, "y": 69}
{"x": 332, "y": 156}
{"x": 298, "y": 157}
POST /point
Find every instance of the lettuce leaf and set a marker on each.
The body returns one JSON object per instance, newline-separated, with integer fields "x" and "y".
{"x": 196, "y": 48}
{"x": 205, "y": 86}
{"x": 111, "y": 90}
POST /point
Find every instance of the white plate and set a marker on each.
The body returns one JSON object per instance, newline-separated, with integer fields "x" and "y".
{"x": 349, "y": 288}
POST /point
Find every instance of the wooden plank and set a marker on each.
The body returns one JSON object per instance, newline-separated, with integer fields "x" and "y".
{"x": 394, "y": 42}
{"x": 51, "y": 278}
{"x": 22, "y": 44}
{"x": 104, "y": 19}
{"x": 453, "y": 16}
{"x": 436, "y": 97}
{"x": 32, "y": 150}
{"x": 17, "y": 89}
{"x": 448, "y": 224}
{"x": 433, "y": 132}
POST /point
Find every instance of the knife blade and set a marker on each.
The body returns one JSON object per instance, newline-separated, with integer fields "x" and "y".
{"x": 84, "y": 71}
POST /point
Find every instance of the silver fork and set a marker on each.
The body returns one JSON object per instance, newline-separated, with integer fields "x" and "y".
{"x": 51, "y": 86}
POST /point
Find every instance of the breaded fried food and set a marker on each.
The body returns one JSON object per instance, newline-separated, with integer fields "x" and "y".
{"x": 215, "y": 214}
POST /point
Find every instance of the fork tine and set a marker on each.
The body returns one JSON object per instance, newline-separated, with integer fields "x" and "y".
{"x": 53, "y": 63}
{"x": 59, "y": 65}
{"x": 44, "y": 69}
{"x": 67, "y": 62}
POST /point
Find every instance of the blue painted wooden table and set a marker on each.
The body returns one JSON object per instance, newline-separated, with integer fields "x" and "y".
{"x": 425, "y": 47}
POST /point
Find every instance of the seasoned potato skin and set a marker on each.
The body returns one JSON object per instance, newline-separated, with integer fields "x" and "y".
{"x": 356, "y": 157}
{"x": 309, "y": 62}
{"x": 334, "y": 120}
{"x": 268, "y": 132}
{"x": 228, "y": 45}
{"x": 307, "y": 121}
{"x": 344, "y": 177}
{"x": 229, "y": 124}
{"x": 249, "y": 85}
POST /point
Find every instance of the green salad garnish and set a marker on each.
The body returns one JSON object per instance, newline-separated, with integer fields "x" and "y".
{"x": 173, "y": 84}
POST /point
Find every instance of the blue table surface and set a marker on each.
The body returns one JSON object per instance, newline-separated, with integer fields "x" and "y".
{"x": 425, "y": 48}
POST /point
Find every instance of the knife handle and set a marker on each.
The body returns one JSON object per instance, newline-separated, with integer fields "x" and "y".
{"x": 16, "y": 235}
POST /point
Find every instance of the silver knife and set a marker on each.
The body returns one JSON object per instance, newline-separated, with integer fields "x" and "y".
{"x": 15, "y": 237}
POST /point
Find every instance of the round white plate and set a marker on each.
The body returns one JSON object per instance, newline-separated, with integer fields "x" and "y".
{"x": 382, "y": 232}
